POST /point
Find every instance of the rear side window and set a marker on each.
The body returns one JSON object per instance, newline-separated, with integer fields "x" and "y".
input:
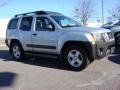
{"x": 26, "y": 23}
{"x": 13, "y": 24}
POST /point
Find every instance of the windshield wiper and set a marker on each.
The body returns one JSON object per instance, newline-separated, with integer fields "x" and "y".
{"x": 70, "y": 26}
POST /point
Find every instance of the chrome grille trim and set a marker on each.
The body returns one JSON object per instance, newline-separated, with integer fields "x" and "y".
{"x": 108, "y": 36}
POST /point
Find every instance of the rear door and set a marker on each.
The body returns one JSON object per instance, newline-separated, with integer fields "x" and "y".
{"x": 24, "y": 32}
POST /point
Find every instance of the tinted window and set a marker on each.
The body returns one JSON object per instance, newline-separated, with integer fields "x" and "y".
{"x": 13, "y": 24}
{"x": 43, "y": 23}
{"x": 26, "y": 23}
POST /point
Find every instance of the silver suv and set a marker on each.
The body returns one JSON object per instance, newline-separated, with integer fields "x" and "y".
{"x": 52, "y": 34}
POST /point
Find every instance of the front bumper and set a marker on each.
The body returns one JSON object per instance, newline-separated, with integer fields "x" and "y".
{"x": 99, "y": 50}
{"x": 104, "y": 48}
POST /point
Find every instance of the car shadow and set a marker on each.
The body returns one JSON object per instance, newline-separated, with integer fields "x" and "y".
{"x": 37, "y": 61}
{"x": 115, "y": 57}
{"x": 4, "y": 55}
{"x": 46, "y": 62}
{"x": 7, "y": 79}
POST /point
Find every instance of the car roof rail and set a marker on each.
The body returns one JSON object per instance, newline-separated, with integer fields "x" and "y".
{"x": 38, "y": 13}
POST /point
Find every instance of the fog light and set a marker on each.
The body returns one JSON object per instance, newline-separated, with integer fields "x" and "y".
{"x": 108, "y": 52}
{"x": 100, "y": 51}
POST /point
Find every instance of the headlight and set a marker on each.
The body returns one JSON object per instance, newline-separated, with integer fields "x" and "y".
{"x": 97, "y": 37}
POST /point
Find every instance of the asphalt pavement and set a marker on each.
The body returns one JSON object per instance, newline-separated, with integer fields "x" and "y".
{"x": 50, "y": 74}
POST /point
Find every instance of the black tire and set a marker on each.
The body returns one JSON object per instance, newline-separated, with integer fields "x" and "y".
{"x": 85, "y": 60}
{"x": 21, "y": 51}
{"x": 117, "y": 39}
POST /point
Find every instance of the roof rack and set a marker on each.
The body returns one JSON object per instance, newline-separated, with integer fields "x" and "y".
{"x": 39, "y": 13}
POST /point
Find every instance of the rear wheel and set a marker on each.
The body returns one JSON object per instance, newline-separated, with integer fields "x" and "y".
{"x": 75, "y": 58}
{"x": 17, "y": 51}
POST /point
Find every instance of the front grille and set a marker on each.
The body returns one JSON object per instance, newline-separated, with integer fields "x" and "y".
{"x": 107, "y": 36}
{"x": 110, "y": 35}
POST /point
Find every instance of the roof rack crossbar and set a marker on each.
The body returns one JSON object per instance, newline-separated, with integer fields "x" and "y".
{"x": 39, "y": 13}
{"x": 36, "y": 13}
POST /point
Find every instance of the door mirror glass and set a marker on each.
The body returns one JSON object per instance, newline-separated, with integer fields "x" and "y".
{"x": 50, "y": 27}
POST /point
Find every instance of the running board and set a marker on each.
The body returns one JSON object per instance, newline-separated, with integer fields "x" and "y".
{"x": 53, "y": 56}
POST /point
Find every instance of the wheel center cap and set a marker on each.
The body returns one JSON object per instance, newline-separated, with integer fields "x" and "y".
{"x": 75, "y": 57}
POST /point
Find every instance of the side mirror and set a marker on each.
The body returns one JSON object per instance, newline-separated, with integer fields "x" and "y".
{"x": 51, "y": 27}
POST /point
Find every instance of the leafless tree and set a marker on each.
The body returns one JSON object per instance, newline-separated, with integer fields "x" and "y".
{"x": 109, "y": 20}
{"x": 115, "y": 13}
{"x": 84, "y": 11}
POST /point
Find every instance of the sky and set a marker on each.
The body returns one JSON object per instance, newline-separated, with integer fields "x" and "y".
{"x": 9, "y": 8}
{"x": 65, "y": 7}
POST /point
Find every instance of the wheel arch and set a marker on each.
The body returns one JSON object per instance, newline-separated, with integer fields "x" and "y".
{"x": 15, "y": 41}
{"x": 117, "y": 33}
{"x": 81, "y": 44}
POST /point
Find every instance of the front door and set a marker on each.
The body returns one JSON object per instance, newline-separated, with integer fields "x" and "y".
{"x": 44, "y": 37}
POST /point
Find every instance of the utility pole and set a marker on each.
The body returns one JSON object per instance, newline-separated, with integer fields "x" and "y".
{"x": 102, "y": 12}
{"x": 77, "y": 16}
{"x": 63, "y": 5}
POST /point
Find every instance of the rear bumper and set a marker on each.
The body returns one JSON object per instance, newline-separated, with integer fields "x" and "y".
{"x": 100, "y": 49}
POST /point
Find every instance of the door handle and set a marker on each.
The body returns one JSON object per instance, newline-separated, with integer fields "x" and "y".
{"x": 34, "y": 34}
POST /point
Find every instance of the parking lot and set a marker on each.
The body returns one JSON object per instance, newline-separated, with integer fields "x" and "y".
{"x": 50, "y": 74}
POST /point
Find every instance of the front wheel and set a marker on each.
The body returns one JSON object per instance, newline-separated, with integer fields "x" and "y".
{"x": 75, "y": 58}
{"x": 17, "y": 51}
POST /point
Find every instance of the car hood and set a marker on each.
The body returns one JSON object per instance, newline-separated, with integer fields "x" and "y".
{"x": 86, "y": 29}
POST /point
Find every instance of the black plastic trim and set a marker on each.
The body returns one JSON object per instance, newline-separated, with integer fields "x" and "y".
{"x": 41, "y": 46}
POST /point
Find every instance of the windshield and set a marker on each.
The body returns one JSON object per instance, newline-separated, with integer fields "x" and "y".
{"x": 65, "y": 22}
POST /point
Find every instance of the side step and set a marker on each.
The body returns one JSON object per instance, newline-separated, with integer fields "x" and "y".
{"x": 46, "y": 55}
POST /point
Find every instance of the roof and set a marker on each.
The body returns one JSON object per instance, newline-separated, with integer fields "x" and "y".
{"x": 39, "y": 13}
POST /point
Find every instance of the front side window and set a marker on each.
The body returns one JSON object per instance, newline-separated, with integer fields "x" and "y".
{"x": 43, "y": 24}
{"x": 13, "y": 24}
{"x": 65, "y": 22}
{"x": 26, "y": 23}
